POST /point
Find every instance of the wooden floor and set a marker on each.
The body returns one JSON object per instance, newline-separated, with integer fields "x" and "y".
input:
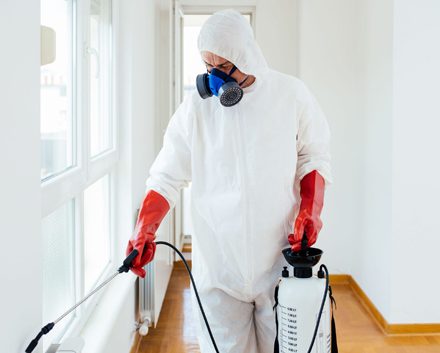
{"x": 357, "y": 332}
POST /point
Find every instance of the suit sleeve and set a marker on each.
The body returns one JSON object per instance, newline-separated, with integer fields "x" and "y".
{"x": 171, "y": 170}
{"x": 313, "y": 138}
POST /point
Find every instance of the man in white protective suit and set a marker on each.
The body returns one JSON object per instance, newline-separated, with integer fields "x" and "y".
{"x": 255, "y": 145}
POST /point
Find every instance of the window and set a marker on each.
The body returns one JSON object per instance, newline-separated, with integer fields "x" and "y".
{"x": 79, "y": 157}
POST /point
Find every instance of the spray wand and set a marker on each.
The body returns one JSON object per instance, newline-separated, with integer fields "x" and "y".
{"x": 126, "y": 265}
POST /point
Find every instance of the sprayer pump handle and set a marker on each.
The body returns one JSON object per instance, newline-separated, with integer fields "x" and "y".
{"x": 304, "y": 242}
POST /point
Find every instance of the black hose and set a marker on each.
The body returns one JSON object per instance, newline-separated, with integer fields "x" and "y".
{"x": 195, "y": 290}
{"x": 318, "y": 320}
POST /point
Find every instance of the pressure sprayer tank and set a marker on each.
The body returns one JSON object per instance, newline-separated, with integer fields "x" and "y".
{"x": 299, "y": 301}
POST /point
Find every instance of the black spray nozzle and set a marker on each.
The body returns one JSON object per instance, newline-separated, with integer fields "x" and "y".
{"x": 126, "y": 265}
{"x": 46, "y": 329}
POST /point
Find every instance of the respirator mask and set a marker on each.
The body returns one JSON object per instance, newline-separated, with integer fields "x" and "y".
{"x": 219, "y": 84}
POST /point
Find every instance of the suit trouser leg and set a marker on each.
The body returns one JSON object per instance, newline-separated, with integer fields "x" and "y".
{"x": 264, "y": 320}
{"x": 231, "y": 322}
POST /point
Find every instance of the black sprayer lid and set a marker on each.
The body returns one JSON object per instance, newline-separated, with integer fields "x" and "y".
{"x": 302, "y": 260}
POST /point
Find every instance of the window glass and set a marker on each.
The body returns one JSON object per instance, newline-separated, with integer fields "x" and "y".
{"x": 58, "y": 266}
{"x": 56, "y": 94}
{"x": 96, "y": 231}
{"x": 99, "y": 76}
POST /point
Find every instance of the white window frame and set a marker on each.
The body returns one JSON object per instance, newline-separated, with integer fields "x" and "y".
{"x": 72, "y": 182}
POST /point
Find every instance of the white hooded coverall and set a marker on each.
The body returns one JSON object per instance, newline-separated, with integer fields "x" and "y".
{"x": 245, "y": 163}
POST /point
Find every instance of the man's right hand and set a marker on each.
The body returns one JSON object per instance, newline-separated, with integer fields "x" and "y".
{"x": 153, "y": 210}
{"x": 146, "y": 247}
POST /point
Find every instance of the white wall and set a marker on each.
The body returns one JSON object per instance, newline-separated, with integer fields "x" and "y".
{"x": 416, "y": 162}
{"x": 373, "y": 65}
{"x": 373, "y": 255}
{"x": 276, "y": 32}
{"x": 399, "y": 79}
{"x": 21, "y": 247}
{"x": 328, "y": 55}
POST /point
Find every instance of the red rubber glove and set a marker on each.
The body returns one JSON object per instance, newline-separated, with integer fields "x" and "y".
{"x": 308, "y": 219}
{"x": 152, "y": 212}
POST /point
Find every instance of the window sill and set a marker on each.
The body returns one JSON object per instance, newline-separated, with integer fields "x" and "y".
{"x": 97, "y": 330}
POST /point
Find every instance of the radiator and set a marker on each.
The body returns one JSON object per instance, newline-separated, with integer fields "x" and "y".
{"x": 146, "y": 294}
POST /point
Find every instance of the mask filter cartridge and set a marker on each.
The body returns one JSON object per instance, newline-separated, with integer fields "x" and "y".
{"x": 219, "y": 84}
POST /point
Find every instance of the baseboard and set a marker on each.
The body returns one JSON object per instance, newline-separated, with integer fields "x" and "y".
{"x": 368, "y": 304}
{"x": 136, "y": 343}
{"x": 180, "y": 265}
{"x": 187, "y": 247}
{"x": 339, "y": 279}
{"x": 412, "y": 329}
{"x": 387, "y": 328}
